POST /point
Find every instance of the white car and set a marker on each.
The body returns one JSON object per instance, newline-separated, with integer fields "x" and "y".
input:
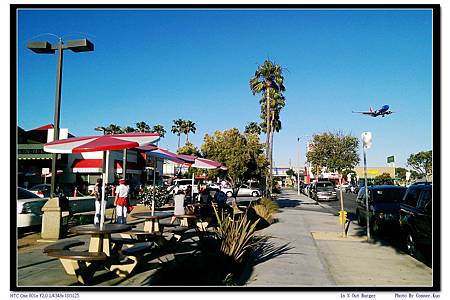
{"x": 29, "y": 207}
{"x": 244, "y": 190}
{"x": 182, "y": 184}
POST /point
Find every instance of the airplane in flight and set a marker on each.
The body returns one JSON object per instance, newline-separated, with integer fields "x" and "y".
{"x": 384, "y": 110}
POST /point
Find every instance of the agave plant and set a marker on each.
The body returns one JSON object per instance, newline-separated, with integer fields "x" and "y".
{"x": 236, "y": 237}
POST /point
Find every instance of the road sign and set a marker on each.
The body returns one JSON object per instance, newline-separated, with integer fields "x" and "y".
{"x": 367, "y": 139}
{"x": 45, "y": 171}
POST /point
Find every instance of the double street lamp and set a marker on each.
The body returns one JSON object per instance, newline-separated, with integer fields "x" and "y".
{"x": 44, "y": 47}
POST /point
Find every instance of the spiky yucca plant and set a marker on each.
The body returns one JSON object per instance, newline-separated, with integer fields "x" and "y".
{"x": 263, "y": 212}
{"x": 235, "y": 237}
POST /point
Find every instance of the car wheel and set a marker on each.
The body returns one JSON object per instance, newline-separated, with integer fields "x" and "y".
{"x": 229, "y": 194}
{"x": 255, "y": 194}
{"x": 411, "y": 245}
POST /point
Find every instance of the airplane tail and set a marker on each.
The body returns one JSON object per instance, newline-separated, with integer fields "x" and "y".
{"x": 370, "y": 109}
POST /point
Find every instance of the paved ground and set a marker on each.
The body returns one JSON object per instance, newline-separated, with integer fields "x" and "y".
{"x": 315, "y": 254}
{"x": 305, "y": 249}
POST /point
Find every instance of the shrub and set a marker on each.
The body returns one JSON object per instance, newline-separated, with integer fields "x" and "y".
{"x": 270, "y": 204}
{"x": 146, "y": 196}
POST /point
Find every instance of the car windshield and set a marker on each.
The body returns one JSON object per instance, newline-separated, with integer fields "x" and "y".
{"x": 388, "y": 195}
{"x": 24, "y": 194}
{"x": 325, "y": 188}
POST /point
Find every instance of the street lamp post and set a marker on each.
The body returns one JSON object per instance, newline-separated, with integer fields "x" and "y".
{"x": 299, "y": 166}
{"x": 367, "y": 143}
{"x": 45, "y": 47}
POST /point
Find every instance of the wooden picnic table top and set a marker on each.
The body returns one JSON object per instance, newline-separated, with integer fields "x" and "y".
{"x": 186, "y": 216}
{"x": 149, "y": 216}
{"x": 95, "y": 229}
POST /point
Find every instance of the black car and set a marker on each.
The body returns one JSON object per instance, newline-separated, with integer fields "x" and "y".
{"x": 416, "y": 216}
{"x": 384, "y": 205}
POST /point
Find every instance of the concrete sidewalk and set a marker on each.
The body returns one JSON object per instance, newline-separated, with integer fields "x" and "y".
{"x": 304, "y": 250}
{"x": 318, "y": 256}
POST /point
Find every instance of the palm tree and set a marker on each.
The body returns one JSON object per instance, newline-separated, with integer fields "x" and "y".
{"x": 252, "y": 128}
{"x": 268, "y": 76}
{"x": 113, "y": 129}
{"x": 128, "y": 129}
{"x": 177, "y": 129}
{"x": 188, "y": 126}
{"x": 159, "y": 129}
{"x": 142, "y": 127}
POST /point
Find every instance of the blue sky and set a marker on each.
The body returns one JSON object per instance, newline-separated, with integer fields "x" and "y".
{"x": 157, "y": 66}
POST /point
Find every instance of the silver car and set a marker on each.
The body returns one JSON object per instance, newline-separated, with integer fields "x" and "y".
{"x": 244, "y": 190}
{"x": 29, "y": 207}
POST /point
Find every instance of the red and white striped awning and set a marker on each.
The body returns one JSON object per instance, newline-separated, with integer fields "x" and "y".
{"x": 87, "y": 166}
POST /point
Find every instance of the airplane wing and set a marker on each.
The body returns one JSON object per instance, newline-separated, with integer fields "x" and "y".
{"x": 363, "y": 112}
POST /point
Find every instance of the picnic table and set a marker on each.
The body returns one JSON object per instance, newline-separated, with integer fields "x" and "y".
{"x": 151, "y": 223}
{"x": 104, "y": 252}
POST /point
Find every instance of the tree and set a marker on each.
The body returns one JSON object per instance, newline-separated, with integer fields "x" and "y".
{"x": 188, "y": 126}
{"x": 177, "y": 128}
{"x": 142, "y": 127}
{"x": 189, "y": 149}
{"x": 422, "y": 162}
{"x": 384, "y": 178}
{"x": 113, "y": 129}
{"x": 127, "y": 129}
{"x": 267, "y": 76}
{"x": 241, "y": 154}
{"x": 252, "y": 128}
{"x": 400, "y": 173}
{"x": 159, "y": 129}
{"x": 336, "y": 152}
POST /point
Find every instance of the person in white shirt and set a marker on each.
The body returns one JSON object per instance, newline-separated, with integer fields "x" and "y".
{"x": 121, "y": 202}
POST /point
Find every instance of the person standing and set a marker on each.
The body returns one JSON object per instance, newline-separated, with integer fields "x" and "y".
{"x": 121, "y": 202}
{"x": 98, "y": 200}
{"x": 179, "y": 205}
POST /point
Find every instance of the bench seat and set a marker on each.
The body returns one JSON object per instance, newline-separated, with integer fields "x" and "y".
{"x": 63, "y": 245}
{"x": 78, "y": 255}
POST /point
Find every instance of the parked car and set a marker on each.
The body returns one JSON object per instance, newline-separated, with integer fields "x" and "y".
{"x": 29, "y": 207}
{"x": 42, "y": 190}
{"x": 244, "y": 190}
{"x": 323, "y": 191}
{"x": 416, "y": 218}
{"x": 384, "y": 204}
{"x": 182, "y": 184}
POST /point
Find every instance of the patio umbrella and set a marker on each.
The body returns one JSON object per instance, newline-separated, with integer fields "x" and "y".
{"x": 165, "y": 154}
{"x": 103, "y": 143}
{"x": 201, "y": 163}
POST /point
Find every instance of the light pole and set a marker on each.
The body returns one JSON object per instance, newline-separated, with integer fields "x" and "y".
{"x": 299, "y": 166}
{"x": 45, "y": 47}
{"x": 367, "y": 143}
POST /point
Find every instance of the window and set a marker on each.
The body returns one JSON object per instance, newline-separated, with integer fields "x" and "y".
{"x": 411, "y": 197}
{"x": 425, "y": 198}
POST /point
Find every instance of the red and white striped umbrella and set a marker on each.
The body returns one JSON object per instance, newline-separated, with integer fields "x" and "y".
{"x": 102, "y": 143}
{"x": 201, "y": 163}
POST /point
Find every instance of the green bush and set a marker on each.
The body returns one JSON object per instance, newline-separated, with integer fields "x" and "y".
{"x": 162, "y": 196}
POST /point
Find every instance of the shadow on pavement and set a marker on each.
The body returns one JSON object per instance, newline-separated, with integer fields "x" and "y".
{"x": 283, "y": 203}
{"x": 265, "y": 251}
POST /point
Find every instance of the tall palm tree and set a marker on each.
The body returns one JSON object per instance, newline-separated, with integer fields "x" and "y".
{"x": 252, "y": 128}
{"x": 177, "y": 129}
{"x": 142, "y": 127}
{"x": 188, "y": 126}
{"x": 159, "y": 129}
{"x": 267, "y": 76}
